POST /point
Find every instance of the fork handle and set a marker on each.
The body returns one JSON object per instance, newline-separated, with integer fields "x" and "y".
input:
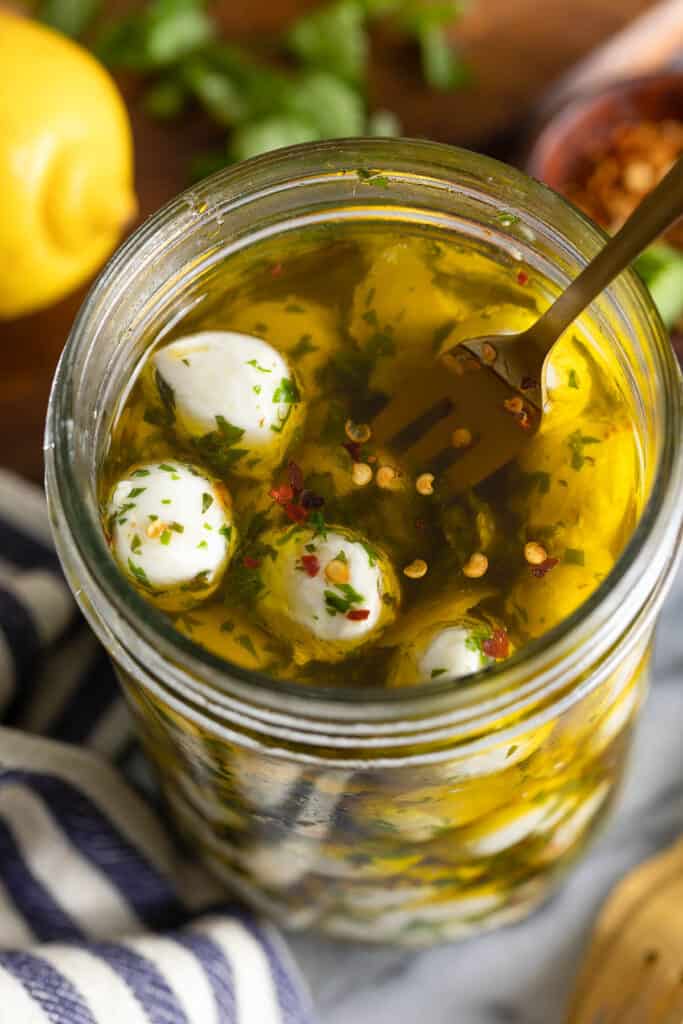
{"x": 655, "y": 214}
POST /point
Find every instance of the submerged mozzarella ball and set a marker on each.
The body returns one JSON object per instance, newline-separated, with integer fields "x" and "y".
{"x": 445, "y": 650}
{"x": 171, "y": 532}
{"x": 390, "y": 313}
{"x": 233, "y": 395}
{"x": 583, "y": 484}
{"x": 329, "y": 594}
{"x": 540, "y": 602}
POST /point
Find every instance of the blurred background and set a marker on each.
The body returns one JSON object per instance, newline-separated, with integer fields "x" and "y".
{"x": 207, "y": 84}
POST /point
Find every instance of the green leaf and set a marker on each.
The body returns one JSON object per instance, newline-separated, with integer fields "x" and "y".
{"x": 442, "y": 68}
{"x": 139, "y": 573}
{"x": 661, "y": 267}
{"x": 330, "y": 104}
{"x": 335, "y": 603}
{"x": 207, "y": 501}
{"x": 216, "y": 91}
{"x": 270, "y": 133}
{"x": 71, "y": 17}
{"x": 157, "y": 37}
{"x": 332, "y": 37}
{"x": 218, "y": 446}
{"x": 165, "y": 99}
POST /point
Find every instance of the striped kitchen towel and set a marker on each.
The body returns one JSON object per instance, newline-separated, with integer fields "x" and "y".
{"x": 102, "y": 919}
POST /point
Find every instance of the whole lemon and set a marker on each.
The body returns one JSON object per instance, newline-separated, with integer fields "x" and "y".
{"x": 66, "y": 165}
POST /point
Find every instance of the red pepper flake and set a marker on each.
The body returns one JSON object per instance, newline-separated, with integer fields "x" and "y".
{"x": 524, "y": 420}
{"x": 353, "y": 448}
{"x": 296, "y": 477}
{"x": 276, "y": 270}
{"x": 522, "y": 278}
{"x": 310, "y": 565}
{"x": 497, "y": 645}
{"x": 309, "y": 499}
{"x": 420, "y": 524}
{"x": 282, "y": 494}
{"x": 540, "y": 570}
{"x": 295, "y": 512}
{"x": 358, "y": 614}
{"x": 251, "y": 563}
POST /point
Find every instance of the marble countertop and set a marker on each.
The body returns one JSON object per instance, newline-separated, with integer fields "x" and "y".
{"x": 523, "y": 974}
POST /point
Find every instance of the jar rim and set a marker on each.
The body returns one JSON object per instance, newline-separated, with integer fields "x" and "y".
{"x": 193, "y": 670}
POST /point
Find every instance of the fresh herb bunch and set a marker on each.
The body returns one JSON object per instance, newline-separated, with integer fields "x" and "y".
{"x": 316, "y": 87}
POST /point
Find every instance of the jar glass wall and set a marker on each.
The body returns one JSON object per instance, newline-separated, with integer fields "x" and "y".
{"x": 411, "y": 815}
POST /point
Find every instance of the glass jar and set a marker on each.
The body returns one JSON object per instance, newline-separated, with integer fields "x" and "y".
{"x": 422, "y": 813}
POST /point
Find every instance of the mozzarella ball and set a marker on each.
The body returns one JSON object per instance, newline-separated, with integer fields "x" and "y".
{"x": 327, "y": 594}
{"x": 171, "y": 532}
{"x": 446, "y": 650}
{"x": 389, "y": 313}
{"x": 584, "y": 482}
{"x": 541, "y": 602}
{"x": 233, "y": 396}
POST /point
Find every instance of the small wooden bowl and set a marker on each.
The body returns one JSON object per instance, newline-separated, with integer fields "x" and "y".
{"x": 569, "y": 141}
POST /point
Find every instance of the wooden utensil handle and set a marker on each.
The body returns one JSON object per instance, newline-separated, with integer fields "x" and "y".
{"x": 648, "y": 44}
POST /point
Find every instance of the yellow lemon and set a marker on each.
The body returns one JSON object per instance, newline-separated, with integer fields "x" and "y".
{"x": 66, "y": 165}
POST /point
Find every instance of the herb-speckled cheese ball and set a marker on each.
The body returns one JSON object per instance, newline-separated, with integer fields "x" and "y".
{"x": 327, "y": 593}
{"x": 448, "y": 650}
{"x": 171, "y": 532}
{"x": 233, "y": 396}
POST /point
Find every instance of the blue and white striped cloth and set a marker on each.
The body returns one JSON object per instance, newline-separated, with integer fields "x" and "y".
{"x": 101, "y": 917}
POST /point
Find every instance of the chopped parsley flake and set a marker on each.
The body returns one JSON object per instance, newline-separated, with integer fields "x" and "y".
{"x": 226, "y": 531}
{"x": 167, "y": 469}
{"x": 136, "y": 545}
{"x": 257, "y": 389}
{"x": 573, "y": 379}
{"x": 167, "y": 396}
{"x": 287, "y": 392}
{"x": 371, "y": 553}
{"x": 207, "y": 501}
{"x": 135, "y": 492}
{"x": 436, "y": 672}
{"x": 165, "y": 501}
{"x": 574, "y": 556}
{"x": 139, "y": 573}
{"x": 218, "y": 446}
{"x": 303, "y": 346}
{"x": 203, "y": 544}
{"x": 176, "y": 527}
{"x": 140, "y": 472}
{"x": 227, "y": 626}
{"x": 577, "y": 442}
{"x": 245, "y": 641}
{"x": 165, "y": 537}
{"x": 252, "y": 362}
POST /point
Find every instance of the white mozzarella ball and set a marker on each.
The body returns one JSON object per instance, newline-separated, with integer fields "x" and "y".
{"x": 450, "y": 653}
{"x": 302, "y": 602}
{"x": 442, "y": 650}
{"x": 171, "y": 532}
{"x": 234, "y": 396}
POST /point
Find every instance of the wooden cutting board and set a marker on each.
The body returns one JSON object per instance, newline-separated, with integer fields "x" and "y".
{"x": 516, "y": 50}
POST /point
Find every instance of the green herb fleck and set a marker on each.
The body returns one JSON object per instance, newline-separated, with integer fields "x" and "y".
{"x": 287, "y": 392}
{"x": 227, "y": 626}
{"x": 226, "y": 531}
{"x": 166, "y": 468}
{"x": 303, "y": 346}
{"x": 261, "y": 369}
{"x": 165, "y": 537}
{"x": 257, "y": 389}
{"x": 203, "y": 544}
{"x": 245, "y": 641}
{"x": 140, "y": 472}
{"x": 135, "y": 492}
{"x": 139, "y": 573}
{"x": 218, "y": 447}
{"x": 574, "y": 556}
{"x": 136, "y": 545}
{"x": 436, "y": 672}
{"x": 577, "y": 442}
{"x": 573, "y": 379}
{"x": 207, "y": 501}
